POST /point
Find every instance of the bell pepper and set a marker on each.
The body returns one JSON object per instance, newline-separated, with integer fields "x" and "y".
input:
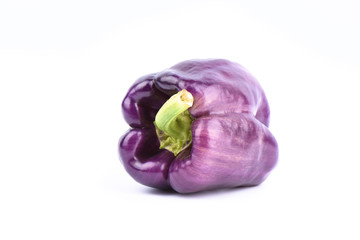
{"x": 199, "y": 125}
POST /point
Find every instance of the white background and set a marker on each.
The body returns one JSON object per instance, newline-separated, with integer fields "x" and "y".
{"x": 65, "y": 67}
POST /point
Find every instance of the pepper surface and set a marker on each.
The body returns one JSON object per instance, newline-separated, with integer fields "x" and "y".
{"x": 230, "y": 144}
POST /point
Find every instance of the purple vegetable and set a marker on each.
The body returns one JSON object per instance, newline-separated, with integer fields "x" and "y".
{"x": 212, "y": 132}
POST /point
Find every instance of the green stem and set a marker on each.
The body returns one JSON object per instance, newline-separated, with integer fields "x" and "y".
{"x": 173, "y": 122}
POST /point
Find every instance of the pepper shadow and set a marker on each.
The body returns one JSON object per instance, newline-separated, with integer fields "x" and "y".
{"x": 209, "y": 193}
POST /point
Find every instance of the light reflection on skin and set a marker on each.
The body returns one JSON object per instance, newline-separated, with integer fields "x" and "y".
{"x": 143, "y": 166}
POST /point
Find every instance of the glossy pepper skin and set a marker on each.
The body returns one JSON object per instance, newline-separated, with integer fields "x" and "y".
{"x": 231, "y": 143}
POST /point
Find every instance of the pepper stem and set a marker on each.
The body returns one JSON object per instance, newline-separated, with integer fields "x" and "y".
{"x": 173, "y": 122}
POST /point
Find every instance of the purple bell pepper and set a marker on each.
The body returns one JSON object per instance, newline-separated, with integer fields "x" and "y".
{"x": 199, "y": 125}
